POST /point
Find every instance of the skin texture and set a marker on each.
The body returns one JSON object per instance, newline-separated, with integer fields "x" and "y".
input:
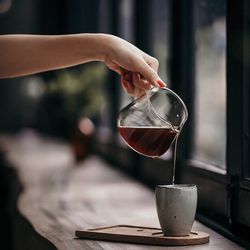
{"x": 22, "y": 55}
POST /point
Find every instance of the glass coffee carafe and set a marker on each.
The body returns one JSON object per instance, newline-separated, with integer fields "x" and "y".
{"x": 151, "y": 123}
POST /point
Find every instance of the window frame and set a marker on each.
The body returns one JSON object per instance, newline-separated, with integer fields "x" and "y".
{"x": 238, "y": 27}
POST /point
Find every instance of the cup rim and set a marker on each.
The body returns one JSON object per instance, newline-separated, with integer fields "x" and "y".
{"x": 176, "y": 186}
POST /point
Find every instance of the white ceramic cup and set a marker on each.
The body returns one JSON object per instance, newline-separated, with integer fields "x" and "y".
{"x": 176, "y": 208}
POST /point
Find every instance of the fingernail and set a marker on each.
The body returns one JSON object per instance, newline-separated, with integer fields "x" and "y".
{"x": 161, "y": 84}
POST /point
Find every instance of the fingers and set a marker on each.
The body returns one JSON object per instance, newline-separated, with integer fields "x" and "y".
{"x": 141, "y": 85}
{"x": 151, "y": 61}
{"x": 140, "y": 82}
{"x": 150, "y": 74}
{"x": 127, "y": 84}
{"x": 125, "y": 56}
{"x": 113, "y": 66}
{"x": 146, "y": 65}
{"x": 134, "y": 84}
{"x": 132, "y": 90}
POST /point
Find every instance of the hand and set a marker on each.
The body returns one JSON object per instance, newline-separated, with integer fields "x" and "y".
{"x": 138, "y": 70}
{"x": 28, "y": 54}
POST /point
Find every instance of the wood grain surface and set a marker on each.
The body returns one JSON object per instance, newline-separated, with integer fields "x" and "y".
{"x": 59, "y": 197}
{"x": 142, "y": 235}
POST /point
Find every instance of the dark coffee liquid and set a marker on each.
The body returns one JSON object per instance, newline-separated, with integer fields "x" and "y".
{"x": 149, "y": 141}
{"x": 174, "y": 159}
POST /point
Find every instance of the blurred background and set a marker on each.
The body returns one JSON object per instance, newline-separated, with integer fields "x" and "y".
{"x": 54, "y": 102}
{"x": 79, "y": 105}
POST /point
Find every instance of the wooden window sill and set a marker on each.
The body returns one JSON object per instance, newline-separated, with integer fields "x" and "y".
{"x": 59, "y": 196}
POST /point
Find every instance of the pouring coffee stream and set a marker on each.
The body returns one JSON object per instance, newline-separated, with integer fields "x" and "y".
{"x": 152, "y": 123}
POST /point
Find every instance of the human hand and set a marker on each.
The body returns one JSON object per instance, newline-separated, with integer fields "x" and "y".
{"x": 28, "y": 54}
{"x": 137, "y": 69}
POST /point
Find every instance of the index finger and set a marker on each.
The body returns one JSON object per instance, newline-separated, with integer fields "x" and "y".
{"x": 150, "y": 75}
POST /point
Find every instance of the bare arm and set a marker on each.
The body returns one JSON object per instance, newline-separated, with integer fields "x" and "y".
{"x": 27, "y": 54}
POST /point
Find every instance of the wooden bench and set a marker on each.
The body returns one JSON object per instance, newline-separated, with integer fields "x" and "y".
{"x": 59, "y": 197}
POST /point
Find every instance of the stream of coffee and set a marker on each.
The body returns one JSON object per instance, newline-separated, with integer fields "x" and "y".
{"x": 174, "y": 158}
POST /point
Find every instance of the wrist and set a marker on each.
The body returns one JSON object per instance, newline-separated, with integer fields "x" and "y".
{"x": 99, "y": 45}
{"x": 105, "y": 45}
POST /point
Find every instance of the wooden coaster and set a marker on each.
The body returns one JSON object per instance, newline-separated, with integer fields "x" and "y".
{"x": 142, "y": 235}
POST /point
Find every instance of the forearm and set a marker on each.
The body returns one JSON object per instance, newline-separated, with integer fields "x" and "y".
{"x": 28, "y": 54}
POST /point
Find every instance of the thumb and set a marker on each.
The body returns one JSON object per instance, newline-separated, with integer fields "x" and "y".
{"x": 150, "y": 75}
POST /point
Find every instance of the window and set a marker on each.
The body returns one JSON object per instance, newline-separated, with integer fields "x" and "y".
{"x": 126, "y": 31}
{"x": 210, "y": 82}
{"x": 204, "y": 52}
{"x": 162, "y": 36}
